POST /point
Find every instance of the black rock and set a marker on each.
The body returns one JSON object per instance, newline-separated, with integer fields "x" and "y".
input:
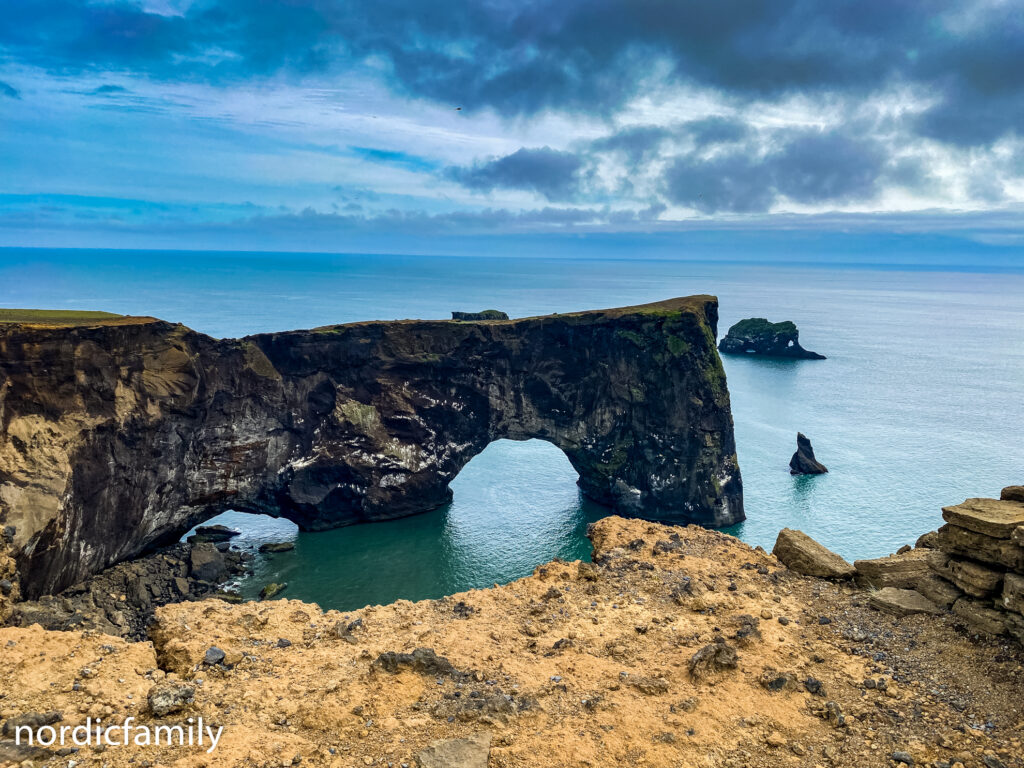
{"x": 278, "y": 546}
{"x": 214, "y": 655}
{"x": 803, "y": 461}
{"x": 757, "y": 336}
{"x": 487, "y": 314}
{"x": 207, "y": 563}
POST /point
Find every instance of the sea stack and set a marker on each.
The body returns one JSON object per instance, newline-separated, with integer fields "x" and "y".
{"x": 757, "y": 336}
{"x": 803, "y": 461}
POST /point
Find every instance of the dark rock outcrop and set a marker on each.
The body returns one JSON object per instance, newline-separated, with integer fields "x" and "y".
{"x": 118, "y": 437}
{"x": 487, "y": 314}
{"x": 121, "y": 600}
{"x": 757, "y": 336}
{"x": 803, "y": 461}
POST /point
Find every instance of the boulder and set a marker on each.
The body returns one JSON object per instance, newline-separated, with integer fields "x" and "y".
{"x": 1012, "y": 493}
{"x": 277, "y": 546}
{"x": 964, "y": 543}
{"x": 900, "y": 570}
{"x": 803, "y": 461}
{"x": 206, "y": 563}
{"x": 979, "y": 616}
{"x": 927, "y": 540}
{"x": 1014, "y": 625}
{"x": 973, "y": 578}
{"x": 938, "y": 590}
{"x": 472, "y": 752}
{"x": 988, "y": 516}
{"x": 799, "y": 552}
{"x": 272, "y": 590}
{"x": 757, "y": 336}
{"x": 1013, "y": 593}
{"x": 901, "y": 602}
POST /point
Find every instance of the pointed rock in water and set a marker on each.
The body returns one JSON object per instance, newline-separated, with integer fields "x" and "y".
{"x": 803, "y": 461}
{"x": 757, "y": 336}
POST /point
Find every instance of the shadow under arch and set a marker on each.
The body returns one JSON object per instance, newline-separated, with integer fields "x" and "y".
{"x": 515, "y": 506}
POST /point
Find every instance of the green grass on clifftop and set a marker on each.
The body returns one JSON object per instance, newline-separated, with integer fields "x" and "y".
{"x": 58, "y": 316}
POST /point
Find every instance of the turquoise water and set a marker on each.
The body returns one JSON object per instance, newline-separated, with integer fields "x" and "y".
{"x": 919, "y": 405}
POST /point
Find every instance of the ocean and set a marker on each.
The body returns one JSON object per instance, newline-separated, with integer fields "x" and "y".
{"x": 920, "y": 403}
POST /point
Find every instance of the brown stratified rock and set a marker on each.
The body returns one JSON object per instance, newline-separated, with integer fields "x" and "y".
{"x": 901, "y": 602}
{"x": 927, "y": 540}
{"x": 979, "y": 616}
{"x": 472, "y": 752}
{"x": 1017, "y": 537}
{"x": 900, "y": 570}
{"x": 1012, "y": 493}
{"x": 938, "y": 590}
{"x": 975, "y": 579}
{"x": 799, "y": 552}
{"x": 1014, "y": 625}
{"x": 996, "y": 518}
{"x": 1013, "y": 593}
{"x": 977, "y": 546}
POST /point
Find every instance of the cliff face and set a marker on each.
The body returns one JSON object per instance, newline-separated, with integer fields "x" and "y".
{"x": 120, "y": 436}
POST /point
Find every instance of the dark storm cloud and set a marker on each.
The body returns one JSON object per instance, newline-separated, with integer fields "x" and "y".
{"x": 546, "y": 171}
{"x": 9, "y": 91}
{"x": 635, "y": 144}
{"x": 809, "y": 167}
{"x": 575, "y": 55}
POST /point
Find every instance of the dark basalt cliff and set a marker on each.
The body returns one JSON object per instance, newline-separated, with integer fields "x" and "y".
{"x": 120, "y": 436}
{"x": 757, "y": 336}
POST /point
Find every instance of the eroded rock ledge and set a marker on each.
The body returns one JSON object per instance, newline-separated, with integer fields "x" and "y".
{"x": 117, "y": 436}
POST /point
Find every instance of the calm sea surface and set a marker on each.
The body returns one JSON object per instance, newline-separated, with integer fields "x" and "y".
{"x": 920, "y": 404}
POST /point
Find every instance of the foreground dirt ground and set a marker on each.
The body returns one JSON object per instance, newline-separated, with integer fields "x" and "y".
{"x": 677, "y": 647}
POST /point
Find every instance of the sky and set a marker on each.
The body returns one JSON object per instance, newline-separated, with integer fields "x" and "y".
{"x": 404, "y": 125}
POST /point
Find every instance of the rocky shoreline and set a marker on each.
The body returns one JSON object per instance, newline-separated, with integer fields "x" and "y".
{"x": 122, "y": 600}
{"x": 674, "y": 647}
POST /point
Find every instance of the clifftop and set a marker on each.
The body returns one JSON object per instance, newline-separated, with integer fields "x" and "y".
{"x": 676, "y": 647}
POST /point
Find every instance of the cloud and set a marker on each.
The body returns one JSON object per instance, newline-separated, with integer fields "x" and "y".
{"x": 548, "y": 172}
{"x": 9, "y": 91}
{"x": 808, "y": 167}
{"x": 591, "y": 56}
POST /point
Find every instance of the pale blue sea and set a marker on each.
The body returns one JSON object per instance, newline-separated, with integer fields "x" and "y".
{"x": 920, "y": 403}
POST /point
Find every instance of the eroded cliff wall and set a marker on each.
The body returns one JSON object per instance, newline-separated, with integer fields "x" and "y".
{"x": 118, "y": 436}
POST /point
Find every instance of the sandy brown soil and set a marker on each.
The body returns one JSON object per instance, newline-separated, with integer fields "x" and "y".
{"x": 578, "y": 665}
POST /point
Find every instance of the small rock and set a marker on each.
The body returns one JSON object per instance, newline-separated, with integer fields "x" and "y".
{"x": 170, "y": 697}
{"x": 472, "y": 752}
{"x": 903, "y": 757}
{"x": 214, "y": 655}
